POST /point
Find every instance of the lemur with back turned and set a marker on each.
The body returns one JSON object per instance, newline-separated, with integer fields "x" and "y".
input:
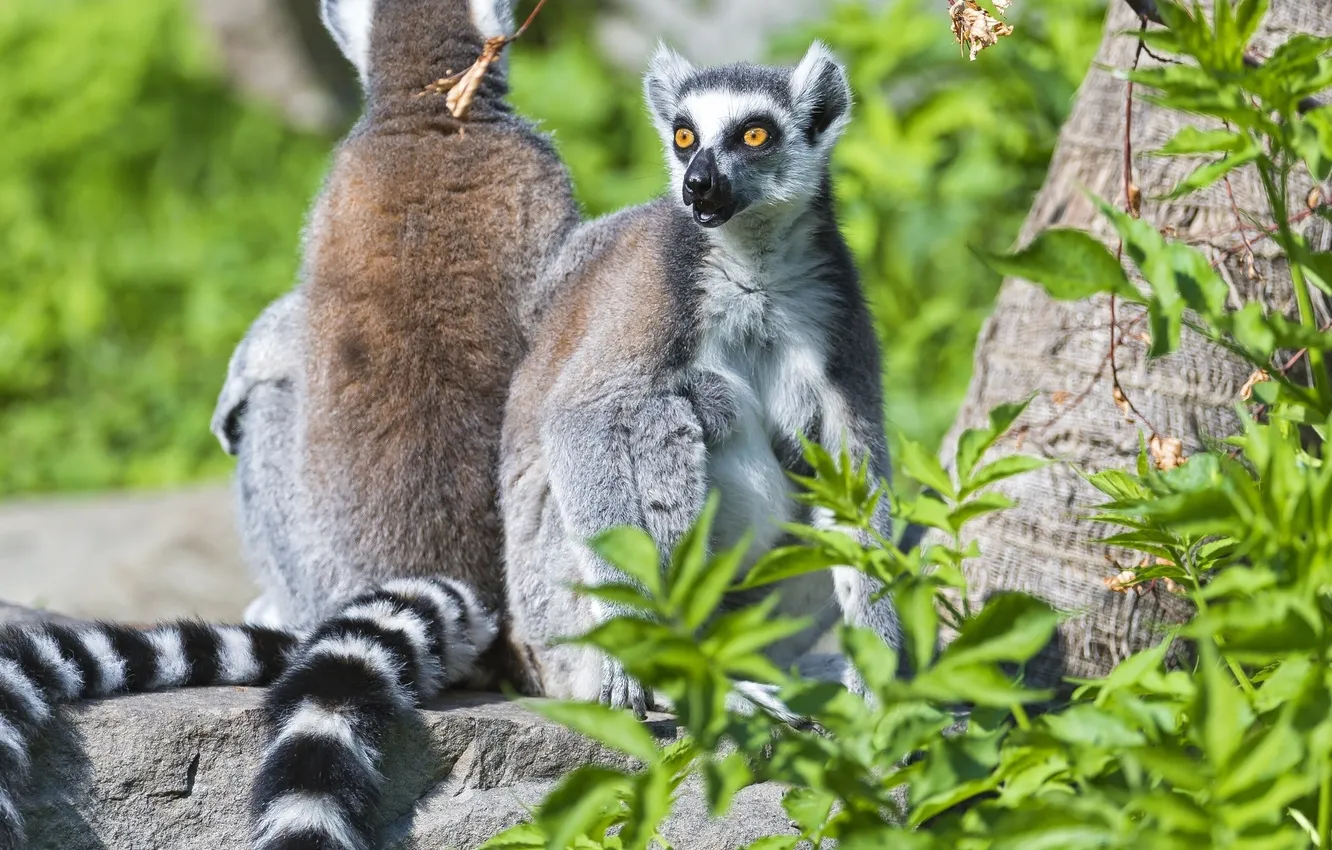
{"x": 365, "y": 408}
{"x": 689, "y": 343}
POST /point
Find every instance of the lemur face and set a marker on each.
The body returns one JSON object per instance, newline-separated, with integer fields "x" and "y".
{"x": 744, "y": 136}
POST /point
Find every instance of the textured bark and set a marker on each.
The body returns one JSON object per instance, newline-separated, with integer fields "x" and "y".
{"x": 1033, "y": 344}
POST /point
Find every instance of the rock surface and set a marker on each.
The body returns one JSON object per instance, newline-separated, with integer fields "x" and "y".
{"x": 171, "y": 772}
{"x": 128, "y": 557}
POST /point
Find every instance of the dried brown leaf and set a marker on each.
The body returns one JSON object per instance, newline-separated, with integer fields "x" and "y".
{"x": 1250, "y": 267}
{"x": 1167, "y": 452}
{"x": 1246, "y": 391}
{"x": 1122, "y": 582}
{"x": 1134, "y": 200}
{"x": 1122, "y": 402}
{"x": 459, "y": 98}
{"x": 974, "y": 28}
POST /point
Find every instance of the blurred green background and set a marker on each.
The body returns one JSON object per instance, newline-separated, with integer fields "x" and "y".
{"x": 148, "y": 213}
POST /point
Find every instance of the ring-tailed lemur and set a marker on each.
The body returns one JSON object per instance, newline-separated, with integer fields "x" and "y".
{"x": 335, "y": 694}
{"x": 688, "y": 344}
{"x": 365, "y": 408}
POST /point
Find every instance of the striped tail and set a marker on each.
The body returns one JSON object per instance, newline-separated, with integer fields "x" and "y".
{"x": 319, "y": 783}
{"x": 44, "y": 665}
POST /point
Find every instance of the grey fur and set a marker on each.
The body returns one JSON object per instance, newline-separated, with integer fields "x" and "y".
{"x": 675, "y": 358}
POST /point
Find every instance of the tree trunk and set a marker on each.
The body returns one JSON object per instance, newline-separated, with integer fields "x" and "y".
{"x": 1059, "y": 351}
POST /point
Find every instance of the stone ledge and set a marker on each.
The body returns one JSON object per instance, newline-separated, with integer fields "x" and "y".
{"x": 171, "y": 771}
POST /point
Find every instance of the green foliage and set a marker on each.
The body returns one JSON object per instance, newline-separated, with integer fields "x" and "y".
{"x": 943, "y": 154}
{"x": 147, "y": 218}
{"x": 1220, "y": 735}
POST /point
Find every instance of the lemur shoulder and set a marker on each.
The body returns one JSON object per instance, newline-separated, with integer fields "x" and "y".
{"x": 688, "y": 348}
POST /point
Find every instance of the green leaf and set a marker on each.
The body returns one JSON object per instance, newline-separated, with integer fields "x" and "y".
{"x": 1089, "y": 726}
{"x": 1069, "y": 264}
{"x": 808, "y": 808}
{"x": 1279, "y": 750}
{"x": 620, "y": 594}
{"x": 1192, "y": 140}
{"x": 985, "y": 503}
{"x": 701, "y": 599}
{"x": 632, "y": 551}
{"x": 1312, "y": 140}
{"x": 524, "y": 836}
{"x": 689, "y": 561}
{"x": 924, "y": 467}
{"x": 980, "y": 684}
{"x": 581, "y": 799}
{"x": 927, "y": 511}
{"x": 875, "y": 660}
{"x": 1118, "y": 485}
{"x": 920, "y": 623}
{"x": 1223, "y": 712}
{"x": 615, "y": 728}
{"x": 1208, "y": 173}
{"x": 974, "y": 442}
{"x": 1318, "y": 266}
{"x": 787, "y": 562}
{"x": 723, "y": 778}
{"x": 1248, "y": 15}
{"x": 1012, "y": 626}
{"x": 1004, "y": 467}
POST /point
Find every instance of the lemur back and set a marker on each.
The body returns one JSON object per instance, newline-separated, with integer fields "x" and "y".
{"x": 688, "y": 347}
{"x": 421, "y": 258}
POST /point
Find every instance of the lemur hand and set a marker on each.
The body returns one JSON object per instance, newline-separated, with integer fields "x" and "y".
{"x": 620, "y": 690}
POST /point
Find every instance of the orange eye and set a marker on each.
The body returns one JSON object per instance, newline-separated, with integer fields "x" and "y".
{"x": 756, "y": 136}
{"x": 684, "y": 138}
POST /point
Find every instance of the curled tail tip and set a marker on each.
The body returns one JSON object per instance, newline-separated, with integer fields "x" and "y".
{"x": 305, "y": 821}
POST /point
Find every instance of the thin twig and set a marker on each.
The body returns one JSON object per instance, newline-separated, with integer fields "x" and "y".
{"x": 1121, "y": 397}
{"x": 1239, "y": 220}
{"x": 461, "y": 87}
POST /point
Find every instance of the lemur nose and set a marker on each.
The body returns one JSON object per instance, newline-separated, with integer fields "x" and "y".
{"x": 699, "y": 181}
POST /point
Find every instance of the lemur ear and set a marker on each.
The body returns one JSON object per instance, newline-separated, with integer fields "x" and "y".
{"x": 821, "y": 92}
{"x": 348, "y": 21}
{"x": 661, "y": 84}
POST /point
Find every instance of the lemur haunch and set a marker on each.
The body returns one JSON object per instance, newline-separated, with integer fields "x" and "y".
{"x": 365, "y": 408}
{"x": 689, "y": 342}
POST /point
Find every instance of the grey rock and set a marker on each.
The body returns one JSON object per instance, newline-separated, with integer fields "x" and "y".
{"x": 17, "y": 614}
{"x": 137, "y": 558}
{"x": 171, "y": 772}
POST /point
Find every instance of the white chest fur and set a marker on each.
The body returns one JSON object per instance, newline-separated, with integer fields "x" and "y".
{"x": 767, "y": 325}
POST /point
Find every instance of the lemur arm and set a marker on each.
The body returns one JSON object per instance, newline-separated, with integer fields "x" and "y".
{"x": 269, "y": 351}
{"x": 855, "y": 589}
{"x": 626, "y": 460}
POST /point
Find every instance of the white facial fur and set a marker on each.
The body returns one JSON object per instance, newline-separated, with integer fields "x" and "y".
{"x": 791, "y": 173}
